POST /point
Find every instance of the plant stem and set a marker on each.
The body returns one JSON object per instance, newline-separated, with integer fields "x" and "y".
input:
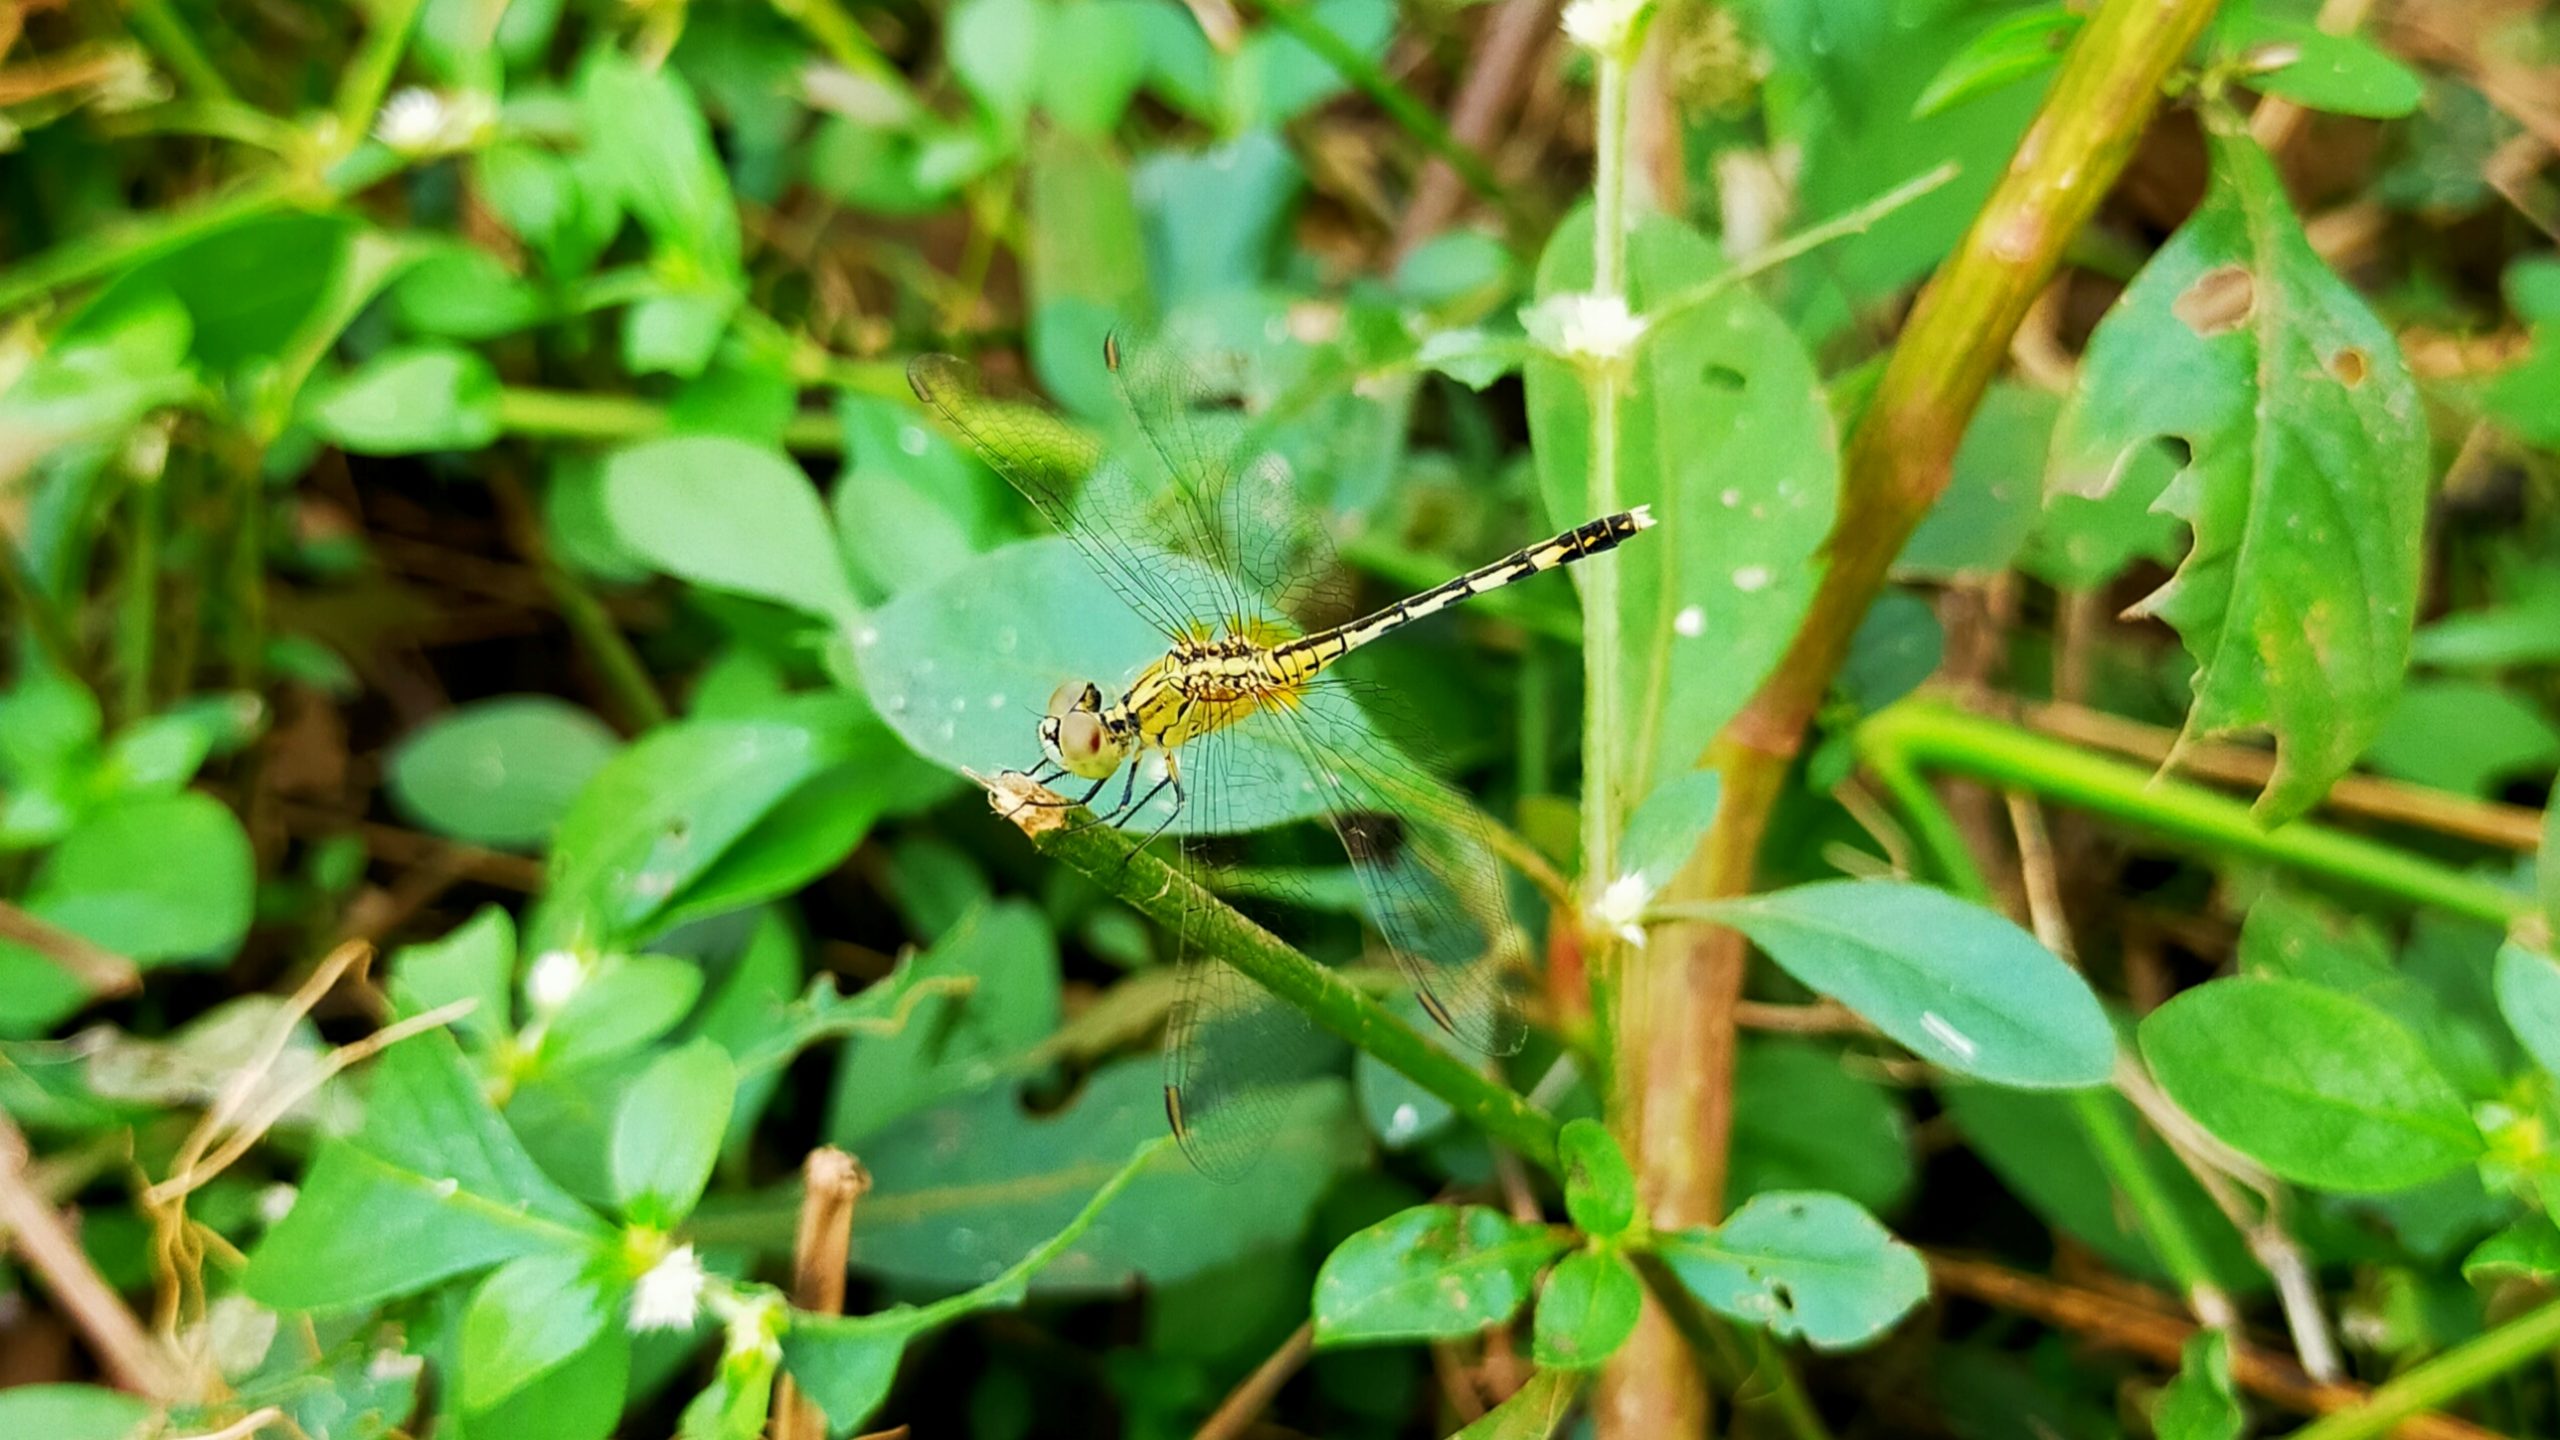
{"x": 160, "y": 26}
{"x": 2176, "y": 1245}
{"x": 1173, "y": 899}
{"x": 2457, "y": 1371}
{"x": 612, "y": 419}
{"x": 369, "y": 74}
{"x": 1896, "y": 464}
{"x": 1933, "y": 735}
{"x": 1382, "y": 90}
{"x": 138, "y": 616}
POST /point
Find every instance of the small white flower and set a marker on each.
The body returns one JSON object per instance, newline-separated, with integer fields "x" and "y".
{"x": 556, "y": 975}
{"x": 1621, "y": 906}
{"x": 1604, "y": 27}
{"x": 419, "y": 122}
{"x": 276, "y": 1202}
{"x": 1589, "y": 328}
{"x": 669, "y": 1296}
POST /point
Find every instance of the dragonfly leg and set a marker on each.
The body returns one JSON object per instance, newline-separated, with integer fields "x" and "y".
{"x": 1112, "y": 815}
{"x": 1172, "y": 777}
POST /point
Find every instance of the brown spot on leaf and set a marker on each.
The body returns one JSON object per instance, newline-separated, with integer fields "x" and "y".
{"x": 2219, "y": 300}
{"x": 2348, "y": 364}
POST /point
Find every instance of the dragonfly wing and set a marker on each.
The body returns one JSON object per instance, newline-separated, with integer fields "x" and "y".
{"x": 1233, "y": 1054}
{"x": 1426, "y": 866}
{"x": 1092, "y": 500}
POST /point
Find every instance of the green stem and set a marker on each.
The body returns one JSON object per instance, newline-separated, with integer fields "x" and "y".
{"x": 1930, "y": 734}
{"x": 1174, "y": 900}
{"x": 1415, "y": 117}
{"x": 2464, "y": 1368}
{"x": 615, "y": 419}
{"x": 2162, "y": 1224}
{"x": 160, "y": 26}
{"x": 26, "y": 595}
{"x": 369, "y": 74}
{"x": 1855, "y": 221}
{"x": 1008, "y": 1288}
{"x": 138, "y": 616}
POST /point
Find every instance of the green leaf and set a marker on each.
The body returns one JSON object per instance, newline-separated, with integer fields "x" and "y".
{"x": 1431, "y": 1272}
{"x": 435, "y": 1185}
{"x": 1726, "y": 433}
{"x": 2342, "y": 74}
{"x": 651, "y": 144}
{"x": 1084, "y": 264}
{"x": 1801, "y": 1264}
{"x": 1214, "y": 217}
{"x": 2199, "y": 1404}
{"x": 1275, "y": 77}
{"x": 996, "y": 49}
{"x": 629, "y": 1002}
{"x": 461, "y": 292}
{"x": 2467, "y": 736}
{"x": 2548, "y": 866}
{"x": 910, "y": 508}
{"x": 1599, "y": 1188}
{"x": 498, "y": 772}
{"x": 961, "y": 1189}
{"x": 2319, "y": 1087}
{"x": 676, "y": 333}
{"x": 96, "y": 379}
{"x": 1669, "y": 825}
{"x": 667, "y": 1133}
{"x": 249, "y": 288}
{"x": 2528, "y": 986}
{"x": 2009, "y": 49}
{"x": 2309, "y": 451}
{"x": 528, "y": 1318}
{"x": 1894, "y": 651}
{"x": 1953, "y": 982}
{"x": 1586, "y": 1310}
{"x": 424, "y": 397}
{"x": 1983, "y": 518}
{"x": 578, "y": 1400}
{"x": 846, "y": 1363}
{"x": 473, "y": 961}
{"x": 2528, "y": 1249}
{"x": 1008, "y": 959}
{"x": 159, "y": 879}
{"x": 729, "y": 514}
{"x": 1093, "y": 64}
{"x": 661, "y": 813}
{"x": 1533, "y": 1412}
{"x": 75, "y": 1412}
{"x": 565, "y": 213}
{"x": 1803, "y": 1120}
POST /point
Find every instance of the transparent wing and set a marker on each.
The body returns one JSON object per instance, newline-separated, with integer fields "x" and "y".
{"x": 1426, "y": 867}
{"x": 1092, "y": 500}
{"x": 1233, "y": 1054}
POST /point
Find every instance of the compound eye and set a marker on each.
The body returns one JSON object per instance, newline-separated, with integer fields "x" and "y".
{"x": 1079, "y": 738}
{"x": 1073, "y": 696}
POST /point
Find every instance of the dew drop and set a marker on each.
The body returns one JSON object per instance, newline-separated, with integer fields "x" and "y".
{"x": 1751, "y": 577}
{"x": 911, "y": 439}
{"x": 1691, "y": 622}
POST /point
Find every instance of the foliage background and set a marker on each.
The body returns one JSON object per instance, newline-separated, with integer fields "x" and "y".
{"x": 463, "y": 498}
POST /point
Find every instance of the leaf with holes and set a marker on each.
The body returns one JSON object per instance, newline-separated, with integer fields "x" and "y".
{"x": 1801, "y": 1263}
{"x": 1431, "y": 1272}
{"x": 2307, "y": 487}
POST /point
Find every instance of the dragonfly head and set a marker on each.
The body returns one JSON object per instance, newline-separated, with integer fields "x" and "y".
{"x": 1073, "y": 735}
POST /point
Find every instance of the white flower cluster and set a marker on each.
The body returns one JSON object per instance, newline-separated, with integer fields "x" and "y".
{"x": 1606, "y": 27}
{"x": 1620, "y": 908}
{"x": 1587, "y": 329}
{"x": 668, "y": 1296}
{"x": 419, "y": 122}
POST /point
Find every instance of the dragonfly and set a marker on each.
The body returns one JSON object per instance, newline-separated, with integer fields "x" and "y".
{"x": 1200, "y": 529}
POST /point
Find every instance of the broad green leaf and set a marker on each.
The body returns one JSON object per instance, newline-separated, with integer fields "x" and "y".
{"x": 1894, "y": 651}
{"x": 1599, "y": 1187}
{"x": 1213, "y": 217}
{"x": 566, "y": 212}
{"x": 1431, "y": 1272}
{"x": 1804, "y": 1120}
{"x": 249, "y": 288}
{"x": 2319, "y": 1087}
{"x": 2307, "y": 487}
{"x": 160, "y": 879}
{"x": 909, "y": 508}
{"x": 2083, "y": 541}
{"x": 1953, "y": 982}
{"x": 473, "y": 961}
{"x": 1586, "y": 1310}
{"x": 2467, "y": 736}
{"x": 2199, "y": 1404}
{"x": 1668, "y": 826}
{"x": 661, "y": 813}
{"x": 2528, "y": 987}
{"x": 2290, "y": 935}
{"x": 75, "y": 1412}
{"x": 2011, "y": 48}
{"x": 498, "y": 772}
{"x": 2039, "y": 1145}
{"x": 675, "y": 333}
{"x": 1275, "y": 77}
{"x": 1008, "y": 959}
{"x": 1084, "y": 264}
{"x": 667, "y": 1133}
{"x": 2525, "y": 630}
{"x": 578, "y": 1400}
{"x": 528, "y": 1318}
{"x": 2528, "y": 1249}
{"x": 2342, "y": 74}
{"x": 1533, "y": 1412}
{"x": 435, "y": 1185}
{"x": 846, "y": 1362}
{"x": 1725, "y": 432}
{"x": 629, "y": 1001}
{"x": 964, "y": 1189}
{"x": 424, "y": 397}
{"x": 729, "y": 514}
{"x": 1094, "y": 64}
{"x": 95, "y": 380}
{"x": 649, "y": 139}
{"x": 996, "y": 49}
{"x": 1801, "y": 1264}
